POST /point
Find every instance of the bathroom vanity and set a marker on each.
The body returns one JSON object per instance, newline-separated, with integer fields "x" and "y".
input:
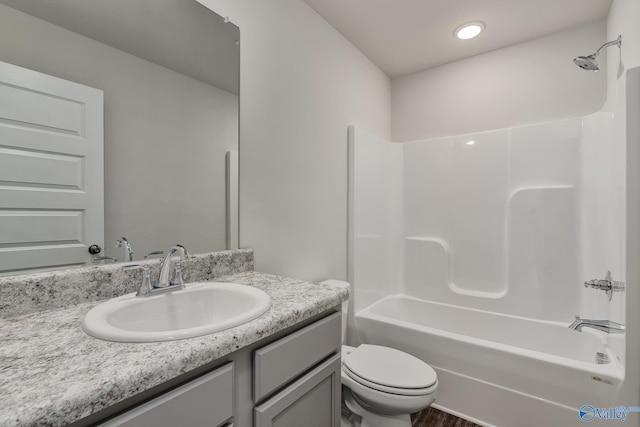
{"x": 294, "y": 379}
{"x": 281, "y": 369}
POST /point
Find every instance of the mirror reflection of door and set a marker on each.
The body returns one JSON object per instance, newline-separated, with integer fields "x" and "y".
{"x": 51, "y": 171}
{"x": 169, "y": 70}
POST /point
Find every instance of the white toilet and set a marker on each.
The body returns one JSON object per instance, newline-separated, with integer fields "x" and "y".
{"x": 382, "y": 385}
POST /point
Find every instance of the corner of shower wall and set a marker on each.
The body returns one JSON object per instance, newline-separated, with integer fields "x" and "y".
{"x": 375, "y": 212}
{"x": 510, "y": 221}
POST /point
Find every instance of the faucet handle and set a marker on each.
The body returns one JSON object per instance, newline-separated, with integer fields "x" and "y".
{"x": 177, "y": 275}
{"x": 104, "y": 258}
{"x": 608, "y": 285}
{"x": 145, "y": 287}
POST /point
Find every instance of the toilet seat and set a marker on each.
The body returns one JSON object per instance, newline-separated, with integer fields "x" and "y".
{"x": 389, "y": 370}
{"x": 388, "y": 389}
{"x": 382, "y": 402}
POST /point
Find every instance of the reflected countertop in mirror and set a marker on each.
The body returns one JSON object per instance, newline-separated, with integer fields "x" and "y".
{"x": 169, "y": 74}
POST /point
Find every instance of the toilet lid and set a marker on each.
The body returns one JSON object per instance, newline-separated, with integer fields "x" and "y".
{"x": 390, "y": 367}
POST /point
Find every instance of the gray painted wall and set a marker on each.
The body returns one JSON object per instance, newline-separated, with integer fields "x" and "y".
{"x": 302, "y": 84}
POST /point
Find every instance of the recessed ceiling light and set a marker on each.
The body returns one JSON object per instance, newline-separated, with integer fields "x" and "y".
{"x": 469, "y": 30}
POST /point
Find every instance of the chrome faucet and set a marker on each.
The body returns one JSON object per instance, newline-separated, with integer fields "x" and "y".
{"x": 163, "y": 279}
{"x": 145, "y": 288}
{"x": 128, "y": 252}
{"x": 164, "y": 284}
{"x": 608, "y": 285}
{"x": 602, "y": 325}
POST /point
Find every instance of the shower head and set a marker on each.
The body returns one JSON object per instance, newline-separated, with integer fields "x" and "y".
{"x": 589, "y": 62}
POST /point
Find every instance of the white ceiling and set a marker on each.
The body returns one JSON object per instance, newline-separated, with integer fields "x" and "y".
{"x": 405, "y": 36}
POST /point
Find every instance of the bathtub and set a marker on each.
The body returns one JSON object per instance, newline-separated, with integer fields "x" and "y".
{"x": 498, "y": 369}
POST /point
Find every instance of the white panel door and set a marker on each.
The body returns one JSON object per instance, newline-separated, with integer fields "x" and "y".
{"x": 51, "y": 171}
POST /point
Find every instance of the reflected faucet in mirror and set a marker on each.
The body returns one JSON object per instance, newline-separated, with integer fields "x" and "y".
{"x": 128, "y": 252}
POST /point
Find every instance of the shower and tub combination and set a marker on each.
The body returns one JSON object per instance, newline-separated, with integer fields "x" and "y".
{"x": 471, "y": 252}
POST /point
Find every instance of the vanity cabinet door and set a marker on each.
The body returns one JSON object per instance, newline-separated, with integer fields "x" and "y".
{"x": 205, "y": 401}
{"x": 282, "y": 361}
{"x": 311, "y": 401}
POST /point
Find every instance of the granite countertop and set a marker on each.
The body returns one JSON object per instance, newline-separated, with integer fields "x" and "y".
{"x": 52, "y": 373}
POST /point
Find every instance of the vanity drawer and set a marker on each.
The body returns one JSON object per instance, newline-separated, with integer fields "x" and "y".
{"x": 205, "y": 401}
{"x": 311, "y": 401}
{"x": 282, "y": 361}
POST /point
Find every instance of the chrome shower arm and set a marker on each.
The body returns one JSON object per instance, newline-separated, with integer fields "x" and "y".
{"x": 617, "y": 41}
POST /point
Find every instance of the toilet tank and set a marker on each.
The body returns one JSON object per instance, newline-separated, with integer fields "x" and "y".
{"x": 345, "y": 305}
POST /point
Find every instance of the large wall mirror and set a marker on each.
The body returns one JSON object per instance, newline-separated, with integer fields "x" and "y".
{"x": 168, "y": 72}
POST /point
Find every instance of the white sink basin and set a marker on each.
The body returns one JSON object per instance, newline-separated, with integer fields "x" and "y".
{"x": 200, "y": 309}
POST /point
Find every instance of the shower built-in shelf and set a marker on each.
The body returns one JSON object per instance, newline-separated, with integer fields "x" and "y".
{"x": 428, "y": 260}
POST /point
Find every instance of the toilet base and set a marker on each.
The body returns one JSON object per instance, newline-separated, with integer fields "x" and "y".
{"x": 366, "y": 418}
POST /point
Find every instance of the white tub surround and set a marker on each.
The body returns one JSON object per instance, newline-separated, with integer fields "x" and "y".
{"x": 470, "y": 252}
{"x": 52, "y": 373}
{"x": 511, "y": 221}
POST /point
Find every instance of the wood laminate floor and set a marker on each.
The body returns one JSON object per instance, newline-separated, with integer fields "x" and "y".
{"x": 432, "y": 417}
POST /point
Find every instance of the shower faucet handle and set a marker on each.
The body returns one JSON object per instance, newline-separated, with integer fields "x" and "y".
{"x": 607, "y": 284}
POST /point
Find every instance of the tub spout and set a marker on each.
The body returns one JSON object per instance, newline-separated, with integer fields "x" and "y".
{"x": 602, "y": 325}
